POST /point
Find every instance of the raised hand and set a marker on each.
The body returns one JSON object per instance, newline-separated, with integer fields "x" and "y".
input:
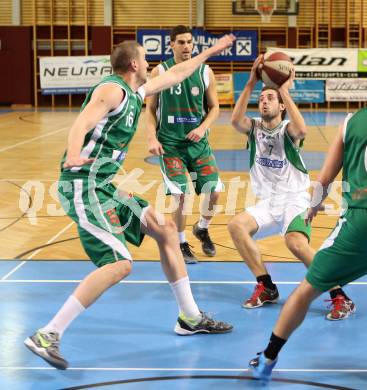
{"x": 289, "y": 83}
{"x": 256, "y": 67}
{"x": 222, "y": 43}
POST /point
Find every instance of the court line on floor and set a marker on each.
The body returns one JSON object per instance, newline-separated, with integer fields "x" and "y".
{"x": 157, "y": 281}
{"x": 142, "y": 180}
{"x": 351, "y": 370}
{"x": 27, "y": 141}
{"x": 29, "y": 178}
{"x": 51, "y": 239}
{"x": 11, "y": 272}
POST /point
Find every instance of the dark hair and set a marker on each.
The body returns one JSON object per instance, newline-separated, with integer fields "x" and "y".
{"x": 284, "y": 112}
{"x": 180, "y": 29}
{"x": 123, "y": 54}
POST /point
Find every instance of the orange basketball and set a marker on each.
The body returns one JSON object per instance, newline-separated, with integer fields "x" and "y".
{"x": 275, "y": 69}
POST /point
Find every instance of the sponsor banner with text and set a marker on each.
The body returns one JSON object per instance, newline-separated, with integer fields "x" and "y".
{"x": 304, "y": 91}
{"x": 75, "y": 74}
{"x": 157, "y": 44}
{"x": 324, "y": 63}
{"x": 354, "y": 90}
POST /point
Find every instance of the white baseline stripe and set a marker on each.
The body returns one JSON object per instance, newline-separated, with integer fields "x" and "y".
{"x": 27, "y": 141}
{"x": 153, "y": 281}
{"x": 352, "y": 370}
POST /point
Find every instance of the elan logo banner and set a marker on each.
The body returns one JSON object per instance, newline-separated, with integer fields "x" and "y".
{"x": 63, "y": 75}
{"x": 324, "y": 63}
{"x": 157, "y": 44}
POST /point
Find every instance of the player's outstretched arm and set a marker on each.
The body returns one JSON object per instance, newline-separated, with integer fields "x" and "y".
{"x": 240, "y": 121}
{"x": 181, "y": 71}
{"x": 104, "y": 99}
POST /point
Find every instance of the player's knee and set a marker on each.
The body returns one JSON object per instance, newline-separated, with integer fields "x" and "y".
{"x": 214, "y": 196}
{"x": 167, "y": 230}
{"x": 236, "y": 226}
{"x": 307, "y": 292}
{"x": 296, "y": 243}
{"x": 119, "y": 270}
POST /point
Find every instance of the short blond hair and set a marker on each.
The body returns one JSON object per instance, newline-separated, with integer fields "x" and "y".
{"x": 123, "y": 54}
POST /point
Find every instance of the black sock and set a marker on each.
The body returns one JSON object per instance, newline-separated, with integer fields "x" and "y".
{"x": 338, "y": 291}
{"x": 266, "y": 280}
{"x": 275, "y": 345}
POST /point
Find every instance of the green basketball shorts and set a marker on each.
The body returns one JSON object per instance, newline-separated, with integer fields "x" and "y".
{"x": 343, "y": 256}
{"x": 194, "y": 159}
{"x": 105, "y": 218}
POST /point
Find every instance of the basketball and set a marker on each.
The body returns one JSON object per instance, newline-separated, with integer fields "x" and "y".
{"x": 275, "y": 69}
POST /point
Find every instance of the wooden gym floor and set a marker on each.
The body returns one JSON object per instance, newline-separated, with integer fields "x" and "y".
{"x": 33, "y": 226}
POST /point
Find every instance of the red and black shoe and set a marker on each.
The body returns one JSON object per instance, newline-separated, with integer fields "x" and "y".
{"x": 341, "y": 308}
{"x": 260, "y": 296}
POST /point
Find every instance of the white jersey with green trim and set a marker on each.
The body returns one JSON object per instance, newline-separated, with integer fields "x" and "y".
{"x": 276, "y": 166}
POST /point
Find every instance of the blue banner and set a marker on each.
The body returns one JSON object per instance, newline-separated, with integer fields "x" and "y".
{"x": 157, "y": 44}
{"x": 239, "y": 81}
{"x": 305, "y": 91}
{"x": 309, "y": 91}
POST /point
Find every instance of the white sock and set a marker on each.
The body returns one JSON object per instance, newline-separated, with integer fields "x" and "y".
{"x": 186, "y": 303}
{"x": 68, "y": 312}
{"x": 182, "y": 237}
{"x": 203, "y": 223}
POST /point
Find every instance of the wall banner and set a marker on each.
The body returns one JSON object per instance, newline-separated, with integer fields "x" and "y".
{"x": 157, "y": 44}
{"x": 323, "y": 63}
{"x": 304, "y": 91}
{"x": 354, "y": 90}
{"x": 74, "y": 74}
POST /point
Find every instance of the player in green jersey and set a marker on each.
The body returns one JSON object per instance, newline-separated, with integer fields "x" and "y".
{"x": 178, "y": 122}
{"x": 97, "y": 146}
{"x": 342, "y": 257}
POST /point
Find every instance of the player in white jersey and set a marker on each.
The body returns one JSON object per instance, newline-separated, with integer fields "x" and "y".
{"x": 280, "y": 181}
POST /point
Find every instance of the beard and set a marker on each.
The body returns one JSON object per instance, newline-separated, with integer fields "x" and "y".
{"x": 269, "y": 116}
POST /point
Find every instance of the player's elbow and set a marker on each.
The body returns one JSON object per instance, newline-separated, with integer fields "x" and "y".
{"x": 240, "y": 127}
{"x": 236, "y": 122}
{"x": 302, "y": 133}
{"x": 298, "y": 132}
{"x": 234, "y": 119}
